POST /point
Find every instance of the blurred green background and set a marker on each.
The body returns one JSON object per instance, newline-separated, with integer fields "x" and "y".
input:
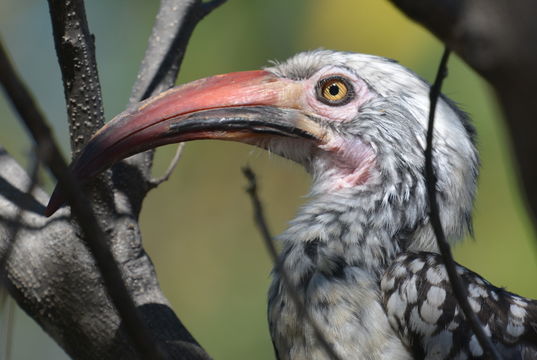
{"x": 198, "y": 226}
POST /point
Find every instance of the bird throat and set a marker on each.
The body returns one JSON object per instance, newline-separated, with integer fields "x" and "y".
{"x": 340, "y": 230}
{"x": 347, "y": 164}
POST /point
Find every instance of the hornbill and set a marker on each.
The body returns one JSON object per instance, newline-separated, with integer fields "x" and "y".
{"x": 361, "y": 253}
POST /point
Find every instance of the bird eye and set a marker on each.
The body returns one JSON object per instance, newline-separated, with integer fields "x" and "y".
{"x": 334, "y": 91}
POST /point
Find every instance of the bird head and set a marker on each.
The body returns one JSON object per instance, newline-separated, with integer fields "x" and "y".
{"x": 356, "y": 122}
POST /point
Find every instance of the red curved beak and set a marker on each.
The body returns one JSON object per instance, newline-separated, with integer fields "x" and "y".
{"x": 243, "y": 106}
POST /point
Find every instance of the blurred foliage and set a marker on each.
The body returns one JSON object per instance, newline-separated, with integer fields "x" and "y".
{"x": 198, "y": 227}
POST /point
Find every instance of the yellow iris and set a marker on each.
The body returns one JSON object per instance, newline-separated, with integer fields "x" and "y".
{"x": 334, "y": 90}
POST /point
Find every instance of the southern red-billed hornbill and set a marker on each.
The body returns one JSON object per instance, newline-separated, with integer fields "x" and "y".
{"x": 361, "y": 252}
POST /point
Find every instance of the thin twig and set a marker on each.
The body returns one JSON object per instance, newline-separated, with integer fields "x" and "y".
{"x": 459, "y": 290}
{"x": 259, "y": 218}
{"x": 95, "y": 238}
{"x": 173, "y": 164}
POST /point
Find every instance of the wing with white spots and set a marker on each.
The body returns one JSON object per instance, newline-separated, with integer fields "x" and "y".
{"x": 421, "y": 307}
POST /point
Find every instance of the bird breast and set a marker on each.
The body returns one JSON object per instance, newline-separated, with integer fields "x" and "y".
{"x": 345, "y": 305}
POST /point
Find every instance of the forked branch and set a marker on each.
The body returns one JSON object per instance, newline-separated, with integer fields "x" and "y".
{"x": 80, "y": 294}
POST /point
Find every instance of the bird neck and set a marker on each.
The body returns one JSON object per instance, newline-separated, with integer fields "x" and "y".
{"x": 364, "y": 229}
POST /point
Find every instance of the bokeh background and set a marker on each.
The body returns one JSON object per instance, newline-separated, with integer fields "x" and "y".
{"x": 198, "y": 226}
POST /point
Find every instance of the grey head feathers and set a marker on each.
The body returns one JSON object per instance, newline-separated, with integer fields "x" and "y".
{"x": 393, "y": 122}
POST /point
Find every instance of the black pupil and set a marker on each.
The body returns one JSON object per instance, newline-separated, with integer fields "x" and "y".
{"x": 333, "y": 89}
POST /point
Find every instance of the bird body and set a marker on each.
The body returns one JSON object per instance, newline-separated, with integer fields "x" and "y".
{"x": 342, "y": 242}
{"x": 361, "y": 253}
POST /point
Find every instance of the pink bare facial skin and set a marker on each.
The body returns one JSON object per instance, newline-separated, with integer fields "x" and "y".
{"x": 346, "y": 112}
{"x": 351, "y": 159}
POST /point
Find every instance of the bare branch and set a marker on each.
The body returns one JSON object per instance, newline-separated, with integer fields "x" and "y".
{"x": 71, "y": 295}
{"x": 173, "y": 164}
{"x": 95, "y": 238}
{"x": 174, "y": 25}
{"x": 175, "y": 22}
{"x": 17, "y": 221}
{"x": 76, "y": 55}
{"x": 497, "y": 39}
{"x": 259, "y": 218}
{"x": 52, "y": 276}
{"x": 7, "y": 303}
{"x": 209, "y": 6}
{"x": 430, "y": 180}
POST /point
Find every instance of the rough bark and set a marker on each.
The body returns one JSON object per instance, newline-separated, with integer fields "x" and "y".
{"x": 50, "y": 272}
{"x": 76, "y": 56}
{"x": 497, "y": 39}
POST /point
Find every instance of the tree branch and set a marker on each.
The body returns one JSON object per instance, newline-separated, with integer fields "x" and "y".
{"x": 459, "y": 290}
{"x": 174, "y": 24}
{"x": 75, "y": 48}
{"x": 94, "y": 237}
{"x": 7, "y": 304}
{"x": 173, "y": 164}
{"x": 497, "y": 39}
{"x": 49, "y": 253}
{"x": 166, "y": 49}
{"x": 13, "y": 232}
